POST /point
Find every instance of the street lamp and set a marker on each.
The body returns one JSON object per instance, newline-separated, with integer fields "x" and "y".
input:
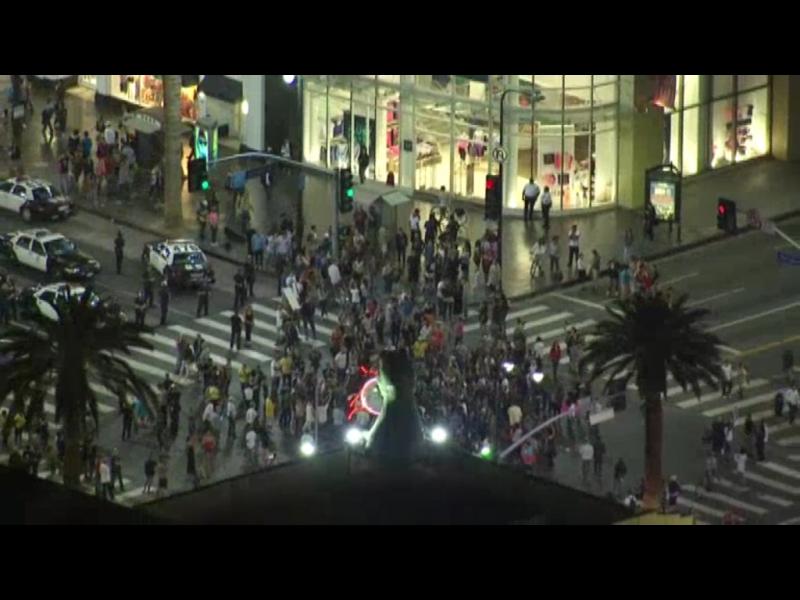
{"x": 289, "y": 79}
{"x": 354, "y": 436}
{"x": 502, "y": 184}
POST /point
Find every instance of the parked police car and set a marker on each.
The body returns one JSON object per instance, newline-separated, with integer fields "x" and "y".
{"x": 48, "y": 252}
{"x": 34, "y": 198}
{"x": 182, "y": 262}
{"x": 39, "y": 302}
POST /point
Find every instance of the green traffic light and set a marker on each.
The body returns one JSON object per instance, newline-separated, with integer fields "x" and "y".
{"x": 350, "y": 192}
{"x": 204, "y": 185}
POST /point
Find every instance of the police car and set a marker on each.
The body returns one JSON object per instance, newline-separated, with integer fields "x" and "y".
{"x": 48, "y": 252}
{"x": 181, "y": 262}
{"x": 34, "y": 198}
{"x": 39, "y": 302}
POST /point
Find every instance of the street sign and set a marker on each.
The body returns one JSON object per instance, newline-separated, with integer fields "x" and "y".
{"x": 500, "y": 154}
{"x": 602, "y": 416}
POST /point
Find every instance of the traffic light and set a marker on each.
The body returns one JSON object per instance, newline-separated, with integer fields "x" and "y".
{"x": 726, "y": 215}
{"x": 494, "y": 196}
{"x": 347, "y": 192}
{"x": 198, "y": 175}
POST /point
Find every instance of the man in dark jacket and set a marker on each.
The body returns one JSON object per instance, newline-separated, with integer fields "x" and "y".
{"x": 236, "y": 330}
{"x": 119, "y": 244}
{"x": 163, "y": 298}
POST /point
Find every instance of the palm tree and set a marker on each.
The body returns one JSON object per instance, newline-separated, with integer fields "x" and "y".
{"x": 645, "y": 337}
{"x": 173, "y": 151}
{"x": 84, "y": 344}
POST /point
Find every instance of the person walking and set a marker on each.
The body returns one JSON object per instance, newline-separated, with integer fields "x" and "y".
{"x": 555, "y": 357}
{"x": 106, "y": 487}
{"x": 620, "y": 471}
{"x": 552, "y": 251}
{"x": 239, "y": 290}
{"x": 213, "y": 223}
{"x": 236, "y": 330}
{"x": 741, "y": 465}
{"x": 530, "y": 193}
{"x": 587, "y": 458}
{"x": 119, "y": 245}
{"x": 203, "y": 292}
{"x": 762, "y": 437}
{"x": 161, "y": 473}
{"x": 547, "y": 204}
{"x": 149, "y": 474}
{"x": 147, "y": 287}
{"x": 47, "y": 125}
{"x": 573, "y": 242}
{"x": 127, "y": 419}
{"x": 249, "y": 278}
{"x": 401, "y": 244}
{"x": 116, "y": 470}
{"x": 727, "y": 379}
{"x": 163, "y": 298}
{"x": 249, "y": 322}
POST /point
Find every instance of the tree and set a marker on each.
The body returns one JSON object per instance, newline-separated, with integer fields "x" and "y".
{"x": 173, "y": 151}
{"x": 83, "y": 345}
{"x": 645, "y": 337}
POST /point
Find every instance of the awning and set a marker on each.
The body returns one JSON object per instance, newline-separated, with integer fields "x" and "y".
{"x": 395, "y": 198}
{"x": 222, "y": 87}
{"x": 147, "y": 120}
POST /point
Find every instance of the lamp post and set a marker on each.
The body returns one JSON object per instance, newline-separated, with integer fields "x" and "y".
{"x": 530, "y": 94}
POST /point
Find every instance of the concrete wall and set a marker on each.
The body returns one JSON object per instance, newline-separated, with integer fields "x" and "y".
{"x": 786, "y": 117}
{"x": 641, "y": 140}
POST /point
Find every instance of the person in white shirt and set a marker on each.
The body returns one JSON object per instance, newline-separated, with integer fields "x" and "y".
{"x": 727, "y": 379}
{"x": 110, "y": 136}
{"x": 208, "y": 413}
{"x": 547, "y": 204}
{"x": 741, "y": 465}
{"x": 250, "y": 416}
{"x": 587, "y": 458}
{"x": 105, "y": 480}
{"x": 414, "y": 222}
{"x": 309, "y": 423}
{"x": 230, "y": 414}
{"x": 530, "y": 193}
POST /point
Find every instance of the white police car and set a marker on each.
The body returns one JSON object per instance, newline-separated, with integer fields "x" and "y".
{"x": 34, "y": 198}
{"x": 49, "y": 252}
{"x": 181, "y": 262}
{"x": 40, "y": 302}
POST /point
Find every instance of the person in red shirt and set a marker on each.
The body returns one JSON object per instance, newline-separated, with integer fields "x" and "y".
{"x": 555, "y": 357}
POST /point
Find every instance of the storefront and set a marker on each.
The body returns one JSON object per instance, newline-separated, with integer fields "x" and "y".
{"x": 712, "y": 121}
{"x": 437, "y": 131}
{"x": 147, "y": 91}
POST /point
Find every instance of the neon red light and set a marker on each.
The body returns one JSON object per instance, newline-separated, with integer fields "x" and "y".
{"x": 721, "y": 209}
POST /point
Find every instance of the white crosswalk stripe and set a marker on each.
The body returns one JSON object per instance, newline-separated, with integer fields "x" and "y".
{"x": 269, "y": 327}
{"x": 739, "y": 404}
{"x": 220, "y": 327}
{"x": 730, "y": 501}
{"x": 215, "y": 341}
{"x": 782, "y": 502}
{"x": 778, "y": 485}
{"x": 778, "y": 468}
{"x": 170, "y": 343}
{"x": 701, "y": 508}
{"x": 561, "y": 331}
{"x": 272, "y": 313}
{"x": 511, "y": 317}
{"x": 715, "y": 395}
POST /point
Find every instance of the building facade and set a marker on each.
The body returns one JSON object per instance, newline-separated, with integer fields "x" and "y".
{"x": 589, "y": 138}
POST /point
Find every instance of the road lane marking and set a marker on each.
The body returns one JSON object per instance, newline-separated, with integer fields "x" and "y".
{"x": 675, "y": 280}
{"x": 210, "y": 339}
{"x": 749, "y": 318}
{"x": 170, "y": 343}
{"x": 470, "y": 327}
{"x": 561, "y": 331}
{"x": 714, "y": 297}
{"x": 696, "y": 506}
{"x": 770, "y": 346}
{"x": 260, "y": 324}
{"x": 747, "y": 402}
{"x": 778, "y": 468}
{"x": 789, "y": 489}
{"x": 715, "y": 395}
{"x": 726, "y": 500}
{"x": 793, "y": 521}
{"x": 595, "y": 305}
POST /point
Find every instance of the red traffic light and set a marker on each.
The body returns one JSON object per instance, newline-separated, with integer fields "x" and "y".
{"x": 721, "y": 209}
{"x": 489, "y": 184}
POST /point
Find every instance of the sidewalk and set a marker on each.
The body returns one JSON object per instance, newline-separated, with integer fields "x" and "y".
{"x": 747, "y": 184}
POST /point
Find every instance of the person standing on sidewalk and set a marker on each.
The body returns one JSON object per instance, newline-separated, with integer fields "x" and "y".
{"x": 239, "y": 290}
{"x": 213, "y": 223}
{"x": 64, "y": 173}
{"x": 620, "y": 471}
{"x": 116, "y": 470}
{"x": 574, "y": 242}
{"x": 139, "y": 307}
{"x": 127, "y": 419}
{"x": 547, "y": 204}
{"x": 552, "y": 251}
{"x": 162, "y": 472}
{"x": 530, "y": 193}
{"x": 119, "y": 244}
{"x": 163, "y": 298}
{"x": 249, "y": 278}
{"x": 47, "y": 125}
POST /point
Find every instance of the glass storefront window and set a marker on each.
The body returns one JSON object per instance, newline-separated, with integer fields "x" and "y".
{"x": 549, "y": 90}
{"x": 751, "y": 125}
{"x": 690, "y": 140}
{"x": 471, "y": 134}
{"x": 722, "y": 85}
{"x": 748, "y": 82}
{"x": 604, "y": 154}
{"x": 722, "y": 136}
{"x": 691, "y": 89}
{"x": 605, "y": 93}
{"x": 433, "y": 142}
{"x": 675, "y": 139}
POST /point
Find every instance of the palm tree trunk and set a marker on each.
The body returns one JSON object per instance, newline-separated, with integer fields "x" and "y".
{"x": 70, "y": 393}
{"x": 653, "y": 439}
{"x": 173, "y": 151}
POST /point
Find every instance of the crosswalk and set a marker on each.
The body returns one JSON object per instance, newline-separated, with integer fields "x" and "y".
{"x": 153, "y": 364}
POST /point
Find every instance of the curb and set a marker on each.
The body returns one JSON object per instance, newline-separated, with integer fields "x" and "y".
{"x": 718, "y": 237}
{"x": 154, "y": 232}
